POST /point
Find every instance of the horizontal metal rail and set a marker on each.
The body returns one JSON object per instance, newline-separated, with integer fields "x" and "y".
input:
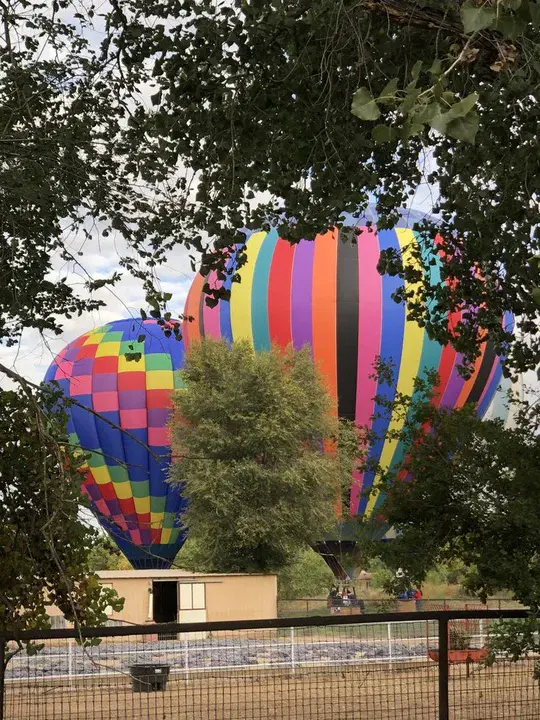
{"x": 266, "y": 624}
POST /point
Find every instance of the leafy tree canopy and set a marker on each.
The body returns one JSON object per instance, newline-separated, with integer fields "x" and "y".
{"x": 467, "y": 496}
{"x": 468, "y": 493}
{"x": 67, "y": 180}
{"x": 318, "y": 103}
{"x": 70, "y": 176}
{"x": 44, "y": 542}
{"x": 166, "y": 127}
{"x": 104, "y": 555}
{"x": 306, "y": 576}
{"x": 247, "y": 438}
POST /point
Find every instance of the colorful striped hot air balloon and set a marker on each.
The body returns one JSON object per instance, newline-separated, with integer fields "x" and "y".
{"x": 126, "y": 473}
{"x": 328, "y": 294}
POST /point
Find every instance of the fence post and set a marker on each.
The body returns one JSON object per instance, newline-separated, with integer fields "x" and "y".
{"x": 70, "y": 662}
{"x": 186, "y": 657}
{"x": 293, "y": 658}
{"x": 2, "y": 674}
{"x": 444, "y": 709}
{"x": 389, "y": 635}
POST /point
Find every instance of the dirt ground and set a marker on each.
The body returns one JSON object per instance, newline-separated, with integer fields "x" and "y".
{"x": 377, "y": 692}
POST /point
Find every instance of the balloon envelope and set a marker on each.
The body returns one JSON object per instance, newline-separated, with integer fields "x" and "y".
{"x": 328, "y": 294}
{"x": 126, "y": 477}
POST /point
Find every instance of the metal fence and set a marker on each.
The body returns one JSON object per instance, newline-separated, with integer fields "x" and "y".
{"x": 386, "y": 666}
{"x": 305, "y": 607}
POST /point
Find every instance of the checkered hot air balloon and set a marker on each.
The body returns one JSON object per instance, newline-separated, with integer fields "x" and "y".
{"x": 328, "y": 294}
{"x": 126, "y": 474}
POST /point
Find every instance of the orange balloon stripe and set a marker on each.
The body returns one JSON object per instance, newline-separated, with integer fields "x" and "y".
{"x": 192, "y": 330}
{"x": 324, "y": 310}
{"x": 468, "y": 385}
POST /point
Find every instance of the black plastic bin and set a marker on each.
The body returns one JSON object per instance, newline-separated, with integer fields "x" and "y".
{"x": 149, "y": 678}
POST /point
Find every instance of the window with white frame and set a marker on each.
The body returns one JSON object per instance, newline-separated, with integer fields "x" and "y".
{"x": 192, "y": 596}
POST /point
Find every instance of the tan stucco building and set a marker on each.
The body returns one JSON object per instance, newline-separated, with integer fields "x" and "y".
{"x": 182, "y": 596}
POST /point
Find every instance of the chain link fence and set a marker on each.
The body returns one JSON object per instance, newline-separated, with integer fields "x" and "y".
{"x": 307, "y": 607}
{"x": 382, "y": 667}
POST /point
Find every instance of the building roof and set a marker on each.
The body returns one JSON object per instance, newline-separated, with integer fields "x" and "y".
{"x": 159, "y": 574}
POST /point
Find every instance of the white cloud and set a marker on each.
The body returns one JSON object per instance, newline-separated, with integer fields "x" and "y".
{"x": 100, "y": 259}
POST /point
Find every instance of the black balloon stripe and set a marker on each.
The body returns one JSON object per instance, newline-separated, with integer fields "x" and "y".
{"x": 347, "y": 328}
{"x": 482, "y": 378}
{"x": 202, "y": 300}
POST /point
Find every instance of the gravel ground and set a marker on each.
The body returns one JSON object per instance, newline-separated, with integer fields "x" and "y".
{"x": 211, "y": 653}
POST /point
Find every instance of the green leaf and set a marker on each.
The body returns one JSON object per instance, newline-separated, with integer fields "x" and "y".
{"x": 411, "y": 86}
{"x": 511, "y": 4}
{"x": 144, "y": 316}
{"x": 384, "y": 133}
{"x": 534, "y": 9}
{"x": 464, "y": 128}
{"x": 437, "y": 91}
{"x": 436, "y": 68}
{"x": 364, "y": 106}
{"x": 408, "y": 104}
{"x": 426, "y": 113}
{"x": 141, "y": 338}
{"x": 476, "y": 18}
{"x": 411, "y": 129}
{"x": 448, "y": 97}
{"x": 417, "y": 67}
{"x": 152, "y": 301}
{"x": 463, "y": 107}
{"x": 510, "y": 26}
{"x": 439, "y": 122}
{"x": 535, "y": 294}
{"x": 389, "y": 93}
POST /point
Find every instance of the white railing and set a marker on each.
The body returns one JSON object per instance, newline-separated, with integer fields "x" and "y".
{"x": 185, "y": 656}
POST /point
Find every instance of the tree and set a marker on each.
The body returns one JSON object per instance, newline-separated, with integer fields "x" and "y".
{"x": 467, "y": 494}
{"x": 318, "y": 103}
{"x": 67, "y": 180}
{"x": 44, "y": 542}
{"x": 87, "y": 155}
{"x": 104, "y": 555}
{"x": 69, "y": 176}
{"x": 307, "y": 575}
{"x": 248, "y": 439}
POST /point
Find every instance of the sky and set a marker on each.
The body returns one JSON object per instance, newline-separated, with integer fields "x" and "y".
{"x": 34, "y": 354}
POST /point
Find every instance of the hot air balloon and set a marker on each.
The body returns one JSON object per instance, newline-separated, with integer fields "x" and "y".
{"x": 328, "y": 294}
{"x": 125, "y": 371}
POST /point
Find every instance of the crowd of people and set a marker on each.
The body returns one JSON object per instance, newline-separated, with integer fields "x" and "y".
{"x": 346, "y": 597}
{"x": 412, "y": 594}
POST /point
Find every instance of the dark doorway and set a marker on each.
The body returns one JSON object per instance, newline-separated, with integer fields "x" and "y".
{"x": 165, "y": 601}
